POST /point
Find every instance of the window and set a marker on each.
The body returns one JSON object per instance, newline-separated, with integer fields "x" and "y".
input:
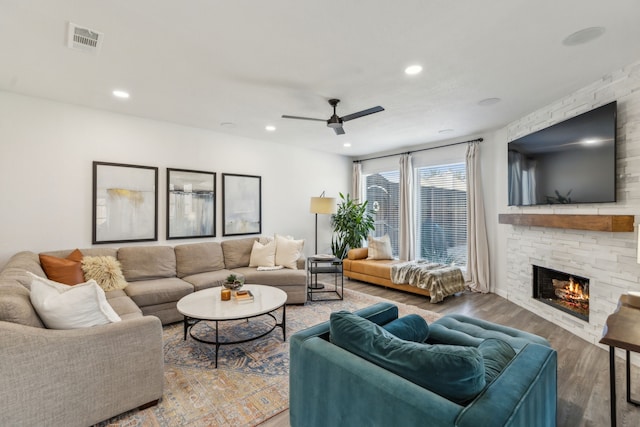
{"x": 441, "y": 214}
{"x": 382, "y": 192}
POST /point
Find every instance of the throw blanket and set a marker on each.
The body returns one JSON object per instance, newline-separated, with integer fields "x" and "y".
{"x": 439, "y": 279}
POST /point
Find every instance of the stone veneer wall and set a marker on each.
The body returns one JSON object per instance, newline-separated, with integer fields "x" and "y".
{"x": 607, "y": 259}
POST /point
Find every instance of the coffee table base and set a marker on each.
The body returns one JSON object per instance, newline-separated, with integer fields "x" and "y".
{"x": 189, "y": 323}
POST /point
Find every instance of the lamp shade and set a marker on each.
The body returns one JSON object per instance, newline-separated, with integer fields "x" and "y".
{"x": 323, "y": 205}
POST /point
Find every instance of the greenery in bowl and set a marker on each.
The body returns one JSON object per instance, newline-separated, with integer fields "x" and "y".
{"x": 233, "y": 282}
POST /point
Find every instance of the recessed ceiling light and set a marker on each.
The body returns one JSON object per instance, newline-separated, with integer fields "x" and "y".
{"x": 583, "y": 36}
{"x": 489, "y": 101}
{"x": 270, "y": 128}
{"x": 227, "y": 124}
{"x": 413, "y": 70}
{"x": 346, "y": 144}
{"x": 120, "y": 94}
{"x": 445, "y": 131}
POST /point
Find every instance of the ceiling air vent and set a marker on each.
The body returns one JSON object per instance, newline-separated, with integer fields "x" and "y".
{"x": 84, "y": 39}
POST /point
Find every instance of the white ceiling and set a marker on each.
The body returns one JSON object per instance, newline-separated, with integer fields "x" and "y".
{"x": 205, "y": 62}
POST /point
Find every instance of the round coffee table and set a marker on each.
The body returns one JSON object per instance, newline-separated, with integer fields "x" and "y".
{"x": 206, "y": 305}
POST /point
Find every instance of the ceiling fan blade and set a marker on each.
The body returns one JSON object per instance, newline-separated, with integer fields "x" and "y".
{"x": 362, "y": 113}
{"x": 303, "y": 118}
{"x": 339, "y": 131}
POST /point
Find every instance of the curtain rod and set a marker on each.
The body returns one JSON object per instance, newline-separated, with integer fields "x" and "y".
{"x": 422, "y": 149}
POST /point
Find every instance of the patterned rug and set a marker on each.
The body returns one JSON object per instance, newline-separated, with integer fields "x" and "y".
{"x": 251, "y": 383}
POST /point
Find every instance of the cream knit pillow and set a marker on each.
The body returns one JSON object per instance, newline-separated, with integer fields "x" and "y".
{"x": 380, "y": 247}
{"x": 288, "y": 251}
{"x": 105, "y": 270}
{"x": 263, "y": 255}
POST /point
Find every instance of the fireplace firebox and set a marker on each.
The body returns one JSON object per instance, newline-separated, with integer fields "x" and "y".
{"x": 563, "y": 291}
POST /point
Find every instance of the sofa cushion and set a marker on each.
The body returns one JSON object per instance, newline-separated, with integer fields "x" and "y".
{"x": 288, "y": 251}
{"x": 198, "y": 258}
{"x": 62, "y": 306}
{"x": 282, "y": 277}
{"x": 410, "y": 328}
{"x": 208, "y": 279}
{"x": 454, "y": 372}
{"x": 16, "y": 307}
{"x": 19, "y": 265}
{"x": 237, "y": 252}
{"x": 158, "y": 291}
{"x": 263, "y": 255}
{"x": 379, "y": 247}
{"x": 123, "y": 305}
{"x": 496, "y": 355}
{"x": 147, "y": 262}
{"x": 63, "y": 270}
{"x": 105, "y": 270}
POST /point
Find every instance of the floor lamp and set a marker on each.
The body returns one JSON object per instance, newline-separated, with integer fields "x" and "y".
{"x": 321, "y": 205}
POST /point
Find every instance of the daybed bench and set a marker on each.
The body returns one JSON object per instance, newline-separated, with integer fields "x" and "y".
{"x": 419, "y": 277}
{"x": 467, "y": 373}
{"x": 79, "y": 377}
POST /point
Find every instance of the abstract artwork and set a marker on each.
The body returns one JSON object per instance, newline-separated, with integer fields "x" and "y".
{"x": 125, "y": 203}
{"x": 191, "y": 204}
{"x": 241, "y": 204}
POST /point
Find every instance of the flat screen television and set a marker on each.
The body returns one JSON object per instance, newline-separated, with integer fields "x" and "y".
{"x": 571, "y": 162}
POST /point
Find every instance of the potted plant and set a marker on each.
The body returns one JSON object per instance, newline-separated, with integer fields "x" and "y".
{"x": 351, "y": 225}
{"x": 233, "y": 282}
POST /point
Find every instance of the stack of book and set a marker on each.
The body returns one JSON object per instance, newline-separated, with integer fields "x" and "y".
{"x": 244, "y": 296}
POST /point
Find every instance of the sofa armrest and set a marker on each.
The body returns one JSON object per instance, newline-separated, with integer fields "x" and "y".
{"x": 79, "y": 377}
{"x": 524, "y": 394}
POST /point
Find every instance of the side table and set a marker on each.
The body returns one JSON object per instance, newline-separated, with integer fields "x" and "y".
{"x": 621, "y": 331}
{"x": 322, "y": 265}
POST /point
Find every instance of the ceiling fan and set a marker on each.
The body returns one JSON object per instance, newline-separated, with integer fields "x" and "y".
{"x": 334, "y": 121}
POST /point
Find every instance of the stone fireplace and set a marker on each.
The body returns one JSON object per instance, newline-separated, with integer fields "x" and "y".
{"x": 563, "y": 291}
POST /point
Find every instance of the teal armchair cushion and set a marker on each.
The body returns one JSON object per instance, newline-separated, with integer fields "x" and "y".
{"x": 496, "y": 355}
{"x": 454, "y": 372}
{"x": 410, "y": 328}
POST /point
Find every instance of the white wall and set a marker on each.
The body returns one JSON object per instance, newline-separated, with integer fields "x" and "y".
{"x": 46, "y": 154}
{"x": 608, "y": 259}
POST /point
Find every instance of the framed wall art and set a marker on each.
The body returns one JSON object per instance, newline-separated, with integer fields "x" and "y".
{"x": 125, "y": 203}
{"x": 191, "y": 204}
{"x": 241, "y": 204}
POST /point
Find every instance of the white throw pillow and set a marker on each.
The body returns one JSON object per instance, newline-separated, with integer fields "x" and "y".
{"x": 69, "y": 307}
{"x": 380, "y": 247}
{"x": 288, "y": 251}
{"x": 263, "y": 255}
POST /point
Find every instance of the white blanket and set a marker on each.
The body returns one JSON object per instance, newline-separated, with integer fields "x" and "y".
{"x": 439, "y": 279}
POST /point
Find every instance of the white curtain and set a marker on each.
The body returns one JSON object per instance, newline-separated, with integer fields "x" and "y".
{"x": 356, "y": 180}
{"x": 407, "y": 228}
{"x": 477, "y": 243}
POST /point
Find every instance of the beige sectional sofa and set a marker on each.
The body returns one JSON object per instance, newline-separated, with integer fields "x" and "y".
{"x": 82, "y": 376}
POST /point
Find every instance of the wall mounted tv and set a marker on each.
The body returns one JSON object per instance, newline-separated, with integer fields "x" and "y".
{"x": 571, "y": 162}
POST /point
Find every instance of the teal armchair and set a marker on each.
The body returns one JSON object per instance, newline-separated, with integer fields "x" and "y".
{"x": 332, "y": 386}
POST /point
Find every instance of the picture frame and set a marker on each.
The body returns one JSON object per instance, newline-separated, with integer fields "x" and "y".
{"x": 191, "y": 204}
{"x": 125, "y": 203}
{"x": 241, "y": 204}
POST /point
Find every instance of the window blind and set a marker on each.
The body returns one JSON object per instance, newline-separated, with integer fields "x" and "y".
{"x": 441, "y": 213}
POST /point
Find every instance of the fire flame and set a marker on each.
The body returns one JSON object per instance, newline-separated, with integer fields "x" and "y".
{"x": 576, "y": 289}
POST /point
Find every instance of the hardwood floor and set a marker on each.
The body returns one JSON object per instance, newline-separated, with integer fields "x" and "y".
{"x": 583, "y": 368}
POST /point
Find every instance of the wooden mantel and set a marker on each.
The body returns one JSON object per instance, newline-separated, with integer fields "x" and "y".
{"x": 615, "y": 223}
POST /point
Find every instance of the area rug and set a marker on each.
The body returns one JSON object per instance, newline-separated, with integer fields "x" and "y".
{"x": 251, "y": 383}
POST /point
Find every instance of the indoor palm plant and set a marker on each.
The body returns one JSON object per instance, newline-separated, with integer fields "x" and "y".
{"x": 351, "y": 225}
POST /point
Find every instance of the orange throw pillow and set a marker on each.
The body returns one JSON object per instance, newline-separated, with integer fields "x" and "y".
{"x": 63, "y": 270}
